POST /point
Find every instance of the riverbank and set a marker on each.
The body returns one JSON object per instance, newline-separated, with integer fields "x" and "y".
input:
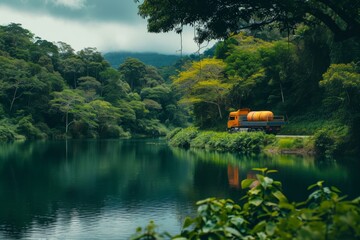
{"x": 245, "y": 142}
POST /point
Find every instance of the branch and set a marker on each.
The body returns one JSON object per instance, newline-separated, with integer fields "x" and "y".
{"x": 344, "y": 15}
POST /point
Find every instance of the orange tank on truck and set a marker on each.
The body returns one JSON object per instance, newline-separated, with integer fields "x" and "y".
{"x": 246, "y": 120}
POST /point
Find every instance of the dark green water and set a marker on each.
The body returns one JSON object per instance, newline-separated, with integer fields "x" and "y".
{"x": 105, "y": 189}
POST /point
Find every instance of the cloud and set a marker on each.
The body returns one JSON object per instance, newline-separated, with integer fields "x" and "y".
{"x": 72, "y": 4}
{"x": 108, "y": 25}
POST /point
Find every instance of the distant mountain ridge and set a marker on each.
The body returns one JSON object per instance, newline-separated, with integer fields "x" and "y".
{"x": 154, "y": 59}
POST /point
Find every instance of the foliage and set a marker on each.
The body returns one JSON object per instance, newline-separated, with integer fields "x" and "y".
{"x": 220, "y": 141}
{"x": 49, "y": 89}
{"x": 204, "y": 84}
{"x": 342, "y": 85}
{"x": 26, "y": 127}
{"x": 7, "y": 132}
{"x": 266, "y": 213}
{"x": 221, "y": 18}
{"x": 290, "y": 143}
{"x": 183, "y": 137}
{"x": 153, "y": 59}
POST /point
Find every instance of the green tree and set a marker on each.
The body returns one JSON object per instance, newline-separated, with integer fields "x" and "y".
{"x": 93, "y": 61}
{"x": 134, "y": 72}
{"x": 106, "y": 115}
{"x": 217, "y": 19}
{"x": 204, "y": 83}
{"x": 341, "y": 83}
{"x": 90, "y": 86}
{"x": 72, "y": 68}
{"x": 16, "y": 41}
{"x": 342, "y": 86}
{"x": 72, "y": 105}
{"x": 115, "y": 90}
{"x": 16, "y": 81}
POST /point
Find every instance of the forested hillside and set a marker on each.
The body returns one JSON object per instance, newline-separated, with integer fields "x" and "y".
{"x": 49, "y": 91}
{"x": 153, "y": 59}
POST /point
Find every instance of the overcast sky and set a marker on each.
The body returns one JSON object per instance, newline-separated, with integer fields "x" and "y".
{"x": 108, "y": 25}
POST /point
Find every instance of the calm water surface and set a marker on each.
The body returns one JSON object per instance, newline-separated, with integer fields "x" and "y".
{"x": 105, "y": 189}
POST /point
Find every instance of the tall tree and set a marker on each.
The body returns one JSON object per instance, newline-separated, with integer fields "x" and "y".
{"x": 72, "y": 105}
{"x": 72, "y": 68}
{"x": 16, "y": 40}
{"x": 134, "y": 72}
{"x": 204, "y": 82}
{"x": 17, "y": 81}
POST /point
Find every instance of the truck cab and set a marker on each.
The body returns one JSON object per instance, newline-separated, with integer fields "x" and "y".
{"x": 235, "y": 117}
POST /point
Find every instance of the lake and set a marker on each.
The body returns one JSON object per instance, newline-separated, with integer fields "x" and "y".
{"x": 104, "y": 189}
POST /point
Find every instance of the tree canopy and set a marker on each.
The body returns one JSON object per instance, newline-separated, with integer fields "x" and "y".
{"x": 219, "y": 19}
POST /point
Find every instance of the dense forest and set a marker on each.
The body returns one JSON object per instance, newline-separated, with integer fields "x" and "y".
{"x": 50, "y": 91}
{"x": 300, "y": 59}
{"x": 154, "y": 59}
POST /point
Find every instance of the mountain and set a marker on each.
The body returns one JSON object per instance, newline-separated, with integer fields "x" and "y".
{"x": 154, "y": 59}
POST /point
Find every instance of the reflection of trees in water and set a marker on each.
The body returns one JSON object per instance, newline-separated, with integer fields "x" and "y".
{"x": 39, "y": 185}
{"x": 295, "y": 172}
{"x": 37, "y": 180}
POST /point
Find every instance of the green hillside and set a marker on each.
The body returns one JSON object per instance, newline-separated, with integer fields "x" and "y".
{"x": 154, "y": 59}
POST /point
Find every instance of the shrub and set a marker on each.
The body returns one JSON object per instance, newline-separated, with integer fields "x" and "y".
{"x": 324, "y": 144}
{"x": 172, "y": 133}
{"x": 220, "y": 141}
{"x": 6, "y": 134}
{"x": 27, "y": 128}
{"x": 114, "y": 131}
{"x": 183, "y": 137}
{"x": 265, "y": 213}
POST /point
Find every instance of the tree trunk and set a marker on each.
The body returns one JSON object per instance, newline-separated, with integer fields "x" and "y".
{"x": 282, "y": 93}
{"x": 220, "y": 114}
{"x": 13, "y": 99}
{"x": 66, "y": 122}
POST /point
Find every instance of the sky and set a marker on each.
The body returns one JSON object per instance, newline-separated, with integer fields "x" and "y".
{"x": 108, "y": 25}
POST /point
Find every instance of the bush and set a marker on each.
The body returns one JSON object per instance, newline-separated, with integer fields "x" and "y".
{"x": 324, "y": 144}
{"x": 183, "y": 137}
{"x": 329, "y": 142}
{"x": 265, "y": 213}
{"x": 291, "y": 143}
{"x": 6, "y": 134}
{"x": 27, "y": 128}
{"x": 172, "y": 133}
{"x": 114, "y": 131}
{"x": 220, "y": 141}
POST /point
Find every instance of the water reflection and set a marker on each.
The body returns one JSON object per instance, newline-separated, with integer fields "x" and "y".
{"x": 105, "y": 189}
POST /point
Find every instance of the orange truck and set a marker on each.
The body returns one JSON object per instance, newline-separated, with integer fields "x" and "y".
{"x": 246, "y": 120}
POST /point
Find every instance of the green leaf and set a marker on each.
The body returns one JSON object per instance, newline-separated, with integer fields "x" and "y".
{"x": 263, "y": 170}
{"x": 286, "y": 206}
{"x": 272, "y": 171}
{"x": 246, "y": 183}
{"x": 280, "y": 196}
{"x": 207, "y": 200}
{"x": 260, "y": 226}
{"x": 233, "y": 231}
{"x": 312, "y": 186}
{"x": 188, "y": 222}
{"x": 256, "y": 201}
{"x": 270, "y": 228}
{"x": 237, "y": 221}
{"x": 267, "y": 182}
{"x": 335, "y": 189}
